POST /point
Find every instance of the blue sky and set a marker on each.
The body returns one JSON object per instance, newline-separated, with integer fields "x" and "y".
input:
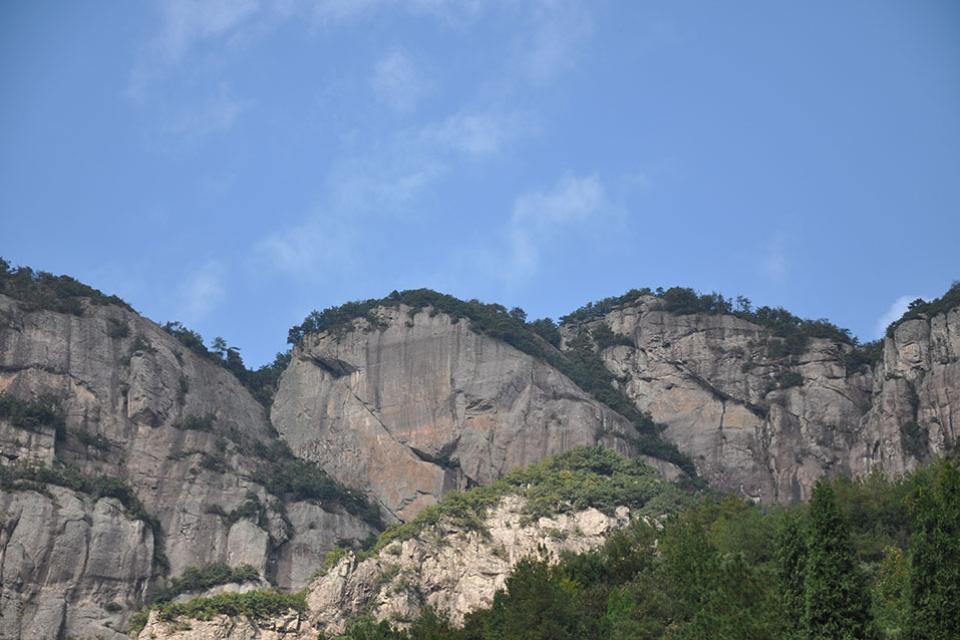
{"x": 236, "y": 164}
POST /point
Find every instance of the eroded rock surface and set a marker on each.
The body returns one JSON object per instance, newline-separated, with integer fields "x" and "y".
{"x": 177, "y": 428}
{"x": 767, "y": 425}
{"x": 422, "y": 404}
{"x": 68, "y": 562}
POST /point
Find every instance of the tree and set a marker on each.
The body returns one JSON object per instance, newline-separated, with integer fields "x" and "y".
{"x": 935, "y": 554}
{"x": 791, "y": 558}
{"x": 836, "y": 606}
{"x": 538, "y": 604}
{"x": 518, "y": 314}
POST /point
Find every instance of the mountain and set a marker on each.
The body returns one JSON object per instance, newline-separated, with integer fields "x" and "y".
{"x": 131, "y": 454}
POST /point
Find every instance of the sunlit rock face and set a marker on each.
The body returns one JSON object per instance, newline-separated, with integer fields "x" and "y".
{"x": 768, "y": 426}
{"x": 126, "y": 388}
{"x": 421, "y": 404}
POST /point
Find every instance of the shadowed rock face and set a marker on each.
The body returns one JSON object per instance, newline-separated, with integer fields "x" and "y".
{"x": 916, "y": 403}
{"x": 124, "y": 399}
{"x": 428, "y": 405}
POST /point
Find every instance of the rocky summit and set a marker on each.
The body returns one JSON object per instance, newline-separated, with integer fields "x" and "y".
{"x": 133, "y": 456}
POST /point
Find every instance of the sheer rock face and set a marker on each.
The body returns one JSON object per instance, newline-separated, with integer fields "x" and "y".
{"x": 68, "y": 562}
{"x": 124, "y": 385}
{"x": 767, "y": 426}
{"x": 916, "y": 404}
{"x": 421, "y": 404}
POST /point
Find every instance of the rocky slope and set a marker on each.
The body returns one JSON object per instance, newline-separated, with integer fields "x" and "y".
{"x": 181, "y": 431}
{"x": 457, "y": 555}
{"x": 416, "y": 403}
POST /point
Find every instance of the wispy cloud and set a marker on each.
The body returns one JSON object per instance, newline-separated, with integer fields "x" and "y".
{"x": 183, "y": 26}
{"x": 540, "y": 216}
{"x": 360, "y": 194}
{"x": 559, "y": 29}
{"x": 775, "y": 264}
{"x": 892, "y": 314}
{"x": 476, "y": 134}
{"x": 202, "y": 291}
{"x": 217, "y": 114}
{"x": 397, "y": 82}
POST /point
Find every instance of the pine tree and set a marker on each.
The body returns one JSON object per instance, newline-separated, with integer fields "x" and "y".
{"x": 935, "y": 554}
{"x": 836, "y": 606}
{"x": 791, "y": 559}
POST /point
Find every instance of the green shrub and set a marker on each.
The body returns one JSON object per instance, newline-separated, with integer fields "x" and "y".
{"x": 261, "y": 604}
{"x": 580, "y": 478}
{"x": 202, "y": 578}
{"x": 117, "y": 329}
{"x": 33, "y": 415}
{"x": 42, "y": 290}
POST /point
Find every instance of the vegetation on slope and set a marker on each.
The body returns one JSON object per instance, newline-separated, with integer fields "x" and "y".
{"x": 578, "y": 479}
{"x": 195, "y": 579}
{"x": 727, "y": 569}
{"x": 261, "y": 604}
{"x": 261, "y": 382}
{"x": 32, "y": 415}
{"x": 282, "y": 474}
{"x": 795, "y": 331}
{"x": 42, "y": 290}
{"x": 921, "y": 308}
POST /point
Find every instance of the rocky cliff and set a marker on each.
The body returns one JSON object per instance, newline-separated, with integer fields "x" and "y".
{"x": 767, "y": 424}
{"x": 134, "y": 409}
{"x": 413, "y": 403}
{"x": 135, "y": 456}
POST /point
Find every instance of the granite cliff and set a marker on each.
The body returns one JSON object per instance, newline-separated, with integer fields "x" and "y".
{"x": 128, "y": 456}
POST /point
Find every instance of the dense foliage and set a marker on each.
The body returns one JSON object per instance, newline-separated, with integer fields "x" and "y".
{"x": 32, "y": 415}
{"x": 194, "y": 579}
{"x": 921, "y": 308}
{"x": 260, "y": 604}
{"x": 729, "y": 570}
{"x": 42, "y": 290}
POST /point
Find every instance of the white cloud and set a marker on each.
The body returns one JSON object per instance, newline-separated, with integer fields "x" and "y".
{"x": 397, "y": 82}
{"x": 360, "y": 194}
{"x": 775, "y": 262}
{"x": 476, "y": 134}
{"x": 188, "y": 22}
{"x": 559, "y": 29}
{"x": 202, "y": 292}
{"x": 217, "y": 114}
{"x": 540, "y": 216}
{"x": 892, "y": 314}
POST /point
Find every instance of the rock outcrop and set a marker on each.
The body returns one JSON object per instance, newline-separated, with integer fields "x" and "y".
{"x": 70, "y": 564}
{"x": 450, "y": 569}
{"x": 767, "y": 425}
{"x": 178, "y": 429}
{"x": 420, "y": 404}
